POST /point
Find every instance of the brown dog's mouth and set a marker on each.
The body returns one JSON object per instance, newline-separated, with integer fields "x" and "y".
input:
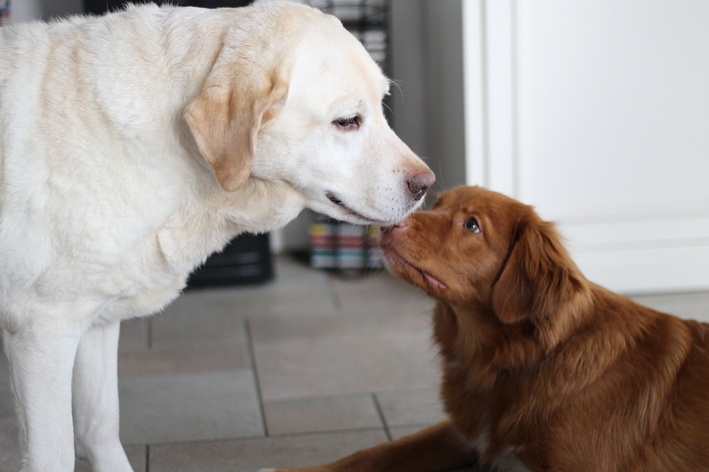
{"x": 392, "y": 256}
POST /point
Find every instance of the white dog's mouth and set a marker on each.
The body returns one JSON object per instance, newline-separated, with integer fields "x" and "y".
{"x": 334, "y": 199}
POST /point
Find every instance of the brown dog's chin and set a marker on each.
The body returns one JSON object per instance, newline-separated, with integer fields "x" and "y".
{"x": 403, "y": 268}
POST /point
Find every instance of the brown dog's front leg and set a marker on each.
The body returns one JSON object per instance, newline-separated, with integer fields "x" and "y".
{"x": 437, "y": 448}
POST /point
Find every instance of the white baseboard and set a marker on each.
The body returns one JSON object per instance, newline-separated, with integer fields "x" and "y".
{"x": 646, "y": 270}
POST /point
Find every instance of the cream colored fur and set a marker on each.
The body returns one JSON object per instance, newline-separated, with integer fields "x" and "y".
{"x": 134, "y": 145}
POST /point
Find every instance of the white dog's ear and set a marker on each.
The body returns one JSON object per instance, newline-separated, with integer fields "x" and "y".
{"x": 225, "y": 119}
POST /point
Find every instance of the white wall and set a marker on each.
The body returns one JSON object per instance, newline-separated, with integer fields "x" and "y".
{"x": 28, "y": 10}
{"x": 407, "y": 44}
{"x": 427, "y": 63}
{"x": 444, "y": 91}
{"x": 25, "y": 10}
{"x": 597, "y": 113}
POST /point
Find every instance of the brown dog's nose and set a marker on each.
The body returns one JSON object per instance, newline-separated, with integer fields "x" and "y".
{"x": 402, "y": 224}
{"x": 420, "y": 183}
{"x": 387, "y": 230}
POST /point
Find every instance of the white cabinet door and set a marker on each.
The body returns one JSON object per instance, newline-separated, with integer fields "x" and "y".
{"x": 597, "y": 113}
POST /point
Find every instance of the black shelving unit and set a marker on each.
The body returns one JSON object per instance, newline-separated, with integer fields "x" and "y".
{"x": 245, "y": 260}
{"x": 99, "y": 7}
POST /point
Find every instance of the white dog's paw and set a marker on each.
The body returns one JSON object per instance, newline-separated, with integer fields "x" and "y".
{"x": 267, "y": 470}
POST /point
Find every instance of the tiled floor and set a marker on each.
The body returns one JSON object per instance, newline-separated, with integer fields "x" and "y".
{"x": 300, "y": 371}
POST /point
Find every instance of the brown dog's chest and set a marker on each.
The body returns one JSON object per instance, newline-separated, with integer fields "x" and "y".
{"x": 496, "y": 420}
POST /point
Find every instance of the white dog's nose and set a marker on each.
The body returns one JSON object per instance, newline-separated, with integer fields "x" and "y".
{"x": 420, "y": 183}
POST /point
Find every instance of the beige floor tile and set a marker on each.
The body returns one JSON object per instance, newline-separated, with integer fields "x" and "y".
{"x": 309, "y": 325}
{"x": 189, "y": 407}
{"x": 295, "y": 285}
{"x": 316, "y": 414}
{"x": 378, "y": 288}
{"x": 212, "y": 315}
{"x": 198, "y": 317}
{"x": 254, "y": 454}
{"x": 186, "y": 358}
{"x": 136, "y": 457}
{"x": 314, "y": 300}
{"x": 377, "y": 284}
{"x": 412, "y": 406}
{"x": 345, "y": 363}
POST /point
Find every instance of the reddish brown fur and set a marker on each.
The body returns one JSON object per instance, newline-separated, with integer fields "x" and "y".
{"x": 564, "y": 373}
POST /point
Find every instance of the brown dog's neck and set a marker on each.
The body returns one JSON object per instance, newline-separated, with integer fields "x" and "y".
{"x": 477, "y": 348}
{"x": 471, "y": 337}
{"x": 475, "y": 343}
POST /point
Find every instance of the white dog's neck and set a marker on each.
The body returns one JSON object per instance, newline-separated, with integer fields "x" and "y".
{"x": 194, "y": 232}
{"x": 204, "y": 220}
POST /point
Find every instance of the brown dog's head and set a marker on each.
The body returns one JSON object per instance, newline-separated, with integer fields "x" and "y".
{"x": 481, "y": 248}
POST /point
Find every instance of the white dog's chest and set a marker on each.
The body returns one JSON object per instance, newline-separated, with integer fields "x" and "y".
{"x": 155, "y": 274}
{"x": 141, "y": 284}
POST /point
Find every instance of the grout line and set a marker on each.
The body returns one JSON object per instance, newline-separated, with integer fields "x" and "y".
{"x": 147, "y": 458}
{"x": 257, "y": 381}
{"x": 381, "y": 416}
{"x": 185, "y": 442}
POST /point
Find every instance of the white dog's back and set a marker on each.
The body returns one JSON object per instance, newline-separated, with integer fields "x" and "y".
{"x": 85, "y": 147}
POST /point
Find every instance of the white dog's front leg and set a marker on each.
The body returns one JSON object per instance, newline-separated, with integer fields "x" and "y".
{"x": 95, "y": 399}
{"x": 41, "y": 363}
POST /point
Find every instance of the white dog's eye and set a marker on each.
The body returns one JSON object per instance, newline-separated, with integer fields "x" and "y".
{"x": 471, "y": 225}
{"x": 348, "y": 123}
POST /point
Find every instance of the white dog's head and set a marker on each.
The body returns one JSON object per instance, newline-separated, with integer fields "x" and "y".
{"x": 295, "y": 97}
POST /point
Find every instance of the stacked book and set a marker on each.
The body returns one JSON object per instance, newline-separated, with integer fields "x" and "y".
{"x": 338, "y": 245}
{"x": 4, "y": 12}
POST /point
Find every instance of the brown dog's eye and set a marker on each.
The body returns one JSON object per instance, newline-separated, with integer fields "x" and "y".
{"x": 349, "y": 123}
{"x": 471, "y": 225}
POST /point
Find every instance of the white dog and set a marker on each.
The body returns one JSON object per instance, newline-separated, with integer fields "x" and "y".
{"x": 135, "y": 144}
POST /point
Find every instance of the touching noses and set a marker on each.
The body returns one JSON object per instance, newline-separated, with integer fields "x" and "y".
{"x": 420, "y": 183}
{"x": 386, "y": 231}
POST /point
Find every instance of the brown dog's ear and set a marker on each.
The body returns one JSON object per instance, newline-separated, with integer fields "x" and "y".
{"x": 539, "y": 276}
{"x": 226, "y": 116}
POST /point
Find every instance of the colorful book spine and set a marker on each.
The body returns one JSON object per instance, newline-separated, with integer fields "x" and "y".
{"x": 4, "y": 12}
{"x": 337, "y": 245}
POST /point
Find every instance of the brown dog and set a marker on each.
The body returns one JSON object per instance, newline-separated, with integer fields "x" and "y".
{"x": 542, "y": 369}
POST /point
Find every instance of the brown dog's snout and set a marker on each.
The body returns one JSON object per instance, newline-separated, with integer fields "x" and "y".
{"x": 386, "y": 232}
{"x": 420, "y": 183}
{"x": 402, "y": 224}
